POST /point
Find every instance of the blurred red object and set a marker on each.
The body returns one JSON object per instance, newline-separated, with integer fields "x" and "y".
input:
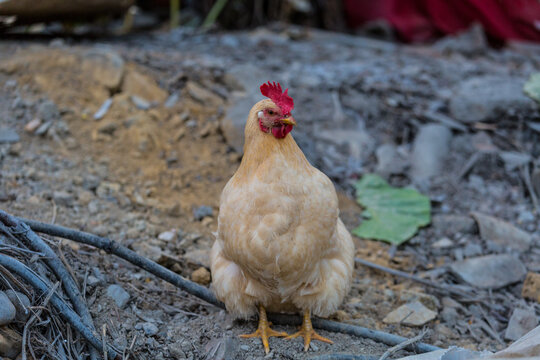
{"x": 422, "y": 20}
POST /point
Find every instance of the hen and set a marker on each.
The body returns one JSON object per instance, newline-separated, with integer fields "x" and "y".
{"x": 280, "y": 244}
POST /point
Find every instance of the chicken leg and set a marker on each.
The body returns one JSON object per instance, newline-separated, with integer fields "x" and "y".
{"x": 264, "y": 331}
{"x": 307, "y": 332}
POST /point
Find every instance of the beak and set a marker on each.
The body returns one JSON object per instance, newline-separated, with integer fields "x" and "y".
{"x": 289, "y": 120}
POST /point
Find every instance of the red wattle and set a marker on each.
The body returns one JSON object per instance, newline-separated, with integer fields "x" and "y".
{"x": 281, "y": 131}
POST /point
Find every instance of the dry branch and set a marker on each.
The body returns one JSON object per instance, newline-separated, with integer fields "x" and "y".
{"x": 204, "y": 293}
{"x": 23, "y": 232}
{"x": 63, "y": 309}
{"x": 442, "y": 288}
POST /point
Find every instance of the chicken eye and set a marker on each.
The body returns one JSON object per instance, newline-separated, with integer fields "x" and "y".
{"x": 271, "y": 112}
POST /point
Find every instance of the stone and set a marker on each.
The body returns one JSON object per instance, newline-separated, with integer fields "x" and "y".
{"x": 168, "y": 235}
{"x": 202, "y": 211}
{"x": 233, "y": 123}
{"x": 198, "y": 257}
{"x": 10, "y": 343}
{"x": 8, "y": 136}
{"x": 7, "y": 310}
{"x": 443, "y": 243}
{"x": 201, "y": 276}
{"x": 105, "y": 66}
{"x": 485, "y": 97}
{"x": 43, "y": 128}
{"x": 63, "y": 198}
{"x": 451, "y": 224}
{"x": 531, "y": 287}
{"x": 490, "y": 271}
{"x": 521, "y": 322}
{"x": 389, "y": 161}
{"x": 472, "y": 249}
{"x": 48, "y": 111}
{"x": 201, "y": 94}
{"x": 150, "y": 329}
{"x": 103, "y": 109}
{"x": 21, "y": 303}
{"x": 359, "y": 144}
{"x": 449, "y": 315}
{"x": 143, "y": 86}
{"x": 430, "y": 148}
{"x": 32, "y": 125}
{"x": 514, "y": 160}
{"x": 93, "y": 281}
{"x": 411, "y": 314}
{"x": 502, "y": 233}
{"x": 119, "y": 295}
{"x": 171, "y": 100}
{"x": 140, "y": 103}
{"x": 430, "y": 301}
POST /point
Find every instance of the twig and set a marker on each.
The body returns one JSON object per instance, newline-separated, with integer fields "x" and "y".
{"x": 204, "y": 293}
{"x": 532, "y": 193}
{"x": 104, "y": 336}
{"x": 23, "y": 232}
{"x": 34, "y": 317}
{"x": 443, "y": 288}
{"x": 64, "y": 310}
{"x": 403, "y": 345}
{"x": 213, "y": 14}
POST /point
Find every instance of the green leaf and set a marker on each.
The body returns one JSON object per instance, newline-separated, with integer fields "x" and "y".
{"x": 392, "y": 214}
{"x": 532, "y": 87}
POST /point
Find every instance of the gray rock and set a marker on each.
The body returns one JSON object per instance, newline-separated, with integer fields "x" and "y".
{"x": 502, "y": 233}
{"x": 483, "y": 98}
{"x": 521, "y": 322}
{"x": 430, "y": 149}
{"x": 21, "y": 303}
{"x": 389, "y": 161}
{"x": 202, "y": 211}
{"x": 234, "y": 121}
{"x": 442, "y": 243}
{"x": 472, "y": 249}
{"x": 171, "y": 100}
{"x": 8, "y": 136}
{"x": 63, "y": 198}
{"x": 366, "y": 105}
{"x": 43, "y": 128}
{"x": 150, "y": 329}
{"x": 411, "y": 314}
{"x": 358, "y": 144}
{"x": 491, "y": 271}
{"x": 103, "y": 109}
{"x": 140, "y": 103}
{"x": 93, "y": 281}
{"x": 449, "y": 315}
{"x": 48, "y": 111}
{"x": 7, "y": 310}
{"x": 513, "y": 160}
{"x": 118, "y": 294}
{"x": 106, "y": 66}
{"x": 451, "y": 224}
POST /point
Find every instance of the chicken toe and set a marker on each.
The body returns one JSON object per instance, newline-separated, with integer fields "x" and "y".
{"x": 264, "y": 331}
{"x": 307, "y": 332}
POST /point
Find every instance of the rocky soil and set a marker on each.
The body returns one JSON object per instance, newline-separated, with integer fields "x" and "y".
{"x": 134, "y": 138}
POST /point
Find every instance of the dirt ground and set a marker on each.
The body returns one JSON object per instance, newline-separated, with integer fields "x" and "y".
{"x": 141, "y": 173}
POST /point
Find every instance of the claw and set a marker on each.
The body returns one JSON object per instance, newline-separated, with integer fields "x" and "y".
{"x": 307, "y": 332}
{"x": 264, "y": 331}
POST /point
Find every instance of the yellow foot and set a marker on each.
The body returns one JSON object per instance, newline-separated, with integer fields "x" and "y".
{"x": 264, "y": 331}
{"x": 307, "y": 332}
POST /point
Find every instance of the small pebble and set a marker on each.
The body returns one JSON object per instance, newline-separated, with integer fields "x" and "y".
{"x": 21, "y": 303}
{"x": 244, "y": 347}
{"x": 201, "y": 276}
{"x": 202, "y": 211}
{"x": 118, "y": 294}
{"x": 7, "y": 310}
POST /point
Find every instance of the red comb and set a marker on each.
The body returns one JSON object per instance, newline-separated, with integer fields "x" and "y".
{"x": 274, "y": 92}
